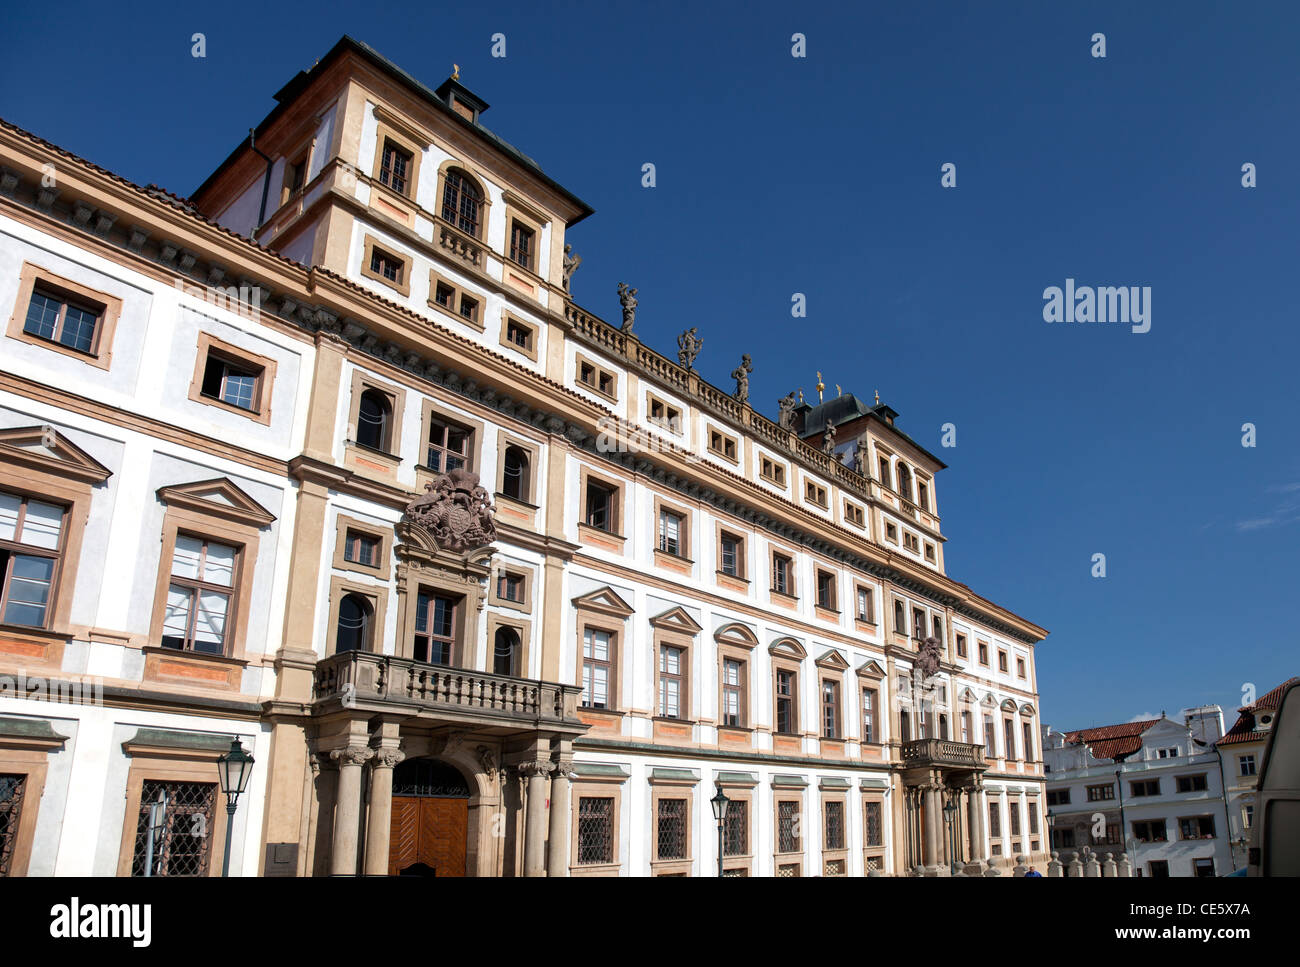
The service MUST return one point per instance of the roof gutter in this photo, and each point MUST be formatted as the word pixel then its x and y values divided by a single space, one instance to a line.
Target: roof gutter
pixel 266 185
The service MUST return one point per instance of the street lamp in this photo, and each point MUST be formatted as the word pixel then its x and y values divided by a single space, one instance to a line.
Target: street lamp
pixel 950 811
pixel 233 770
pixel 720 802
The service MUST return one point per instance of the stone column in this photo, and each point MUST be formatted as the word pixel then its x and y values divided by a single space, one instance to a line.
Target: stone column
pixel 535 772
pixel 557 844
pixel 933 824
pixel 347 808
pixel 975 808
pixel 379 818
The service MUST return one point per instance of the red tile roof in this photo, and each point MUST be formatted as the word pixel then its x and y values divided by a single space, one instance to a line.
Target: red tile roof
pixel 1112 741
pixel 1243 730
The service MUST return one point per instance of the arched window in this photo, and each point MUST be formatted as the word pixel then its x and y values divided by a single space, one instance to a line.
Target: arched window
pixel 355 621
pixel 505 652
pixel 905 725
pixel 904 480
pixel 943 726
pixel 374 419
pixel 462 202
pixel 514 482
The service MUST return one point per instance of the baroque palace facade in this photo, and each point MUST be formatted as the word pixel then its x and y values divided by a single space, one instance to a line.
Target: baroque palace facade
pixel 325 458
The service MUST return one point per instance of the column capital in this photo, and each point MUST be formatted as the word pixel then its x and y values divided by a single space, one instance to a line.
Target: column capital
pixel 563 768
pixel 535 768
pixel 354 755
pixel 387 758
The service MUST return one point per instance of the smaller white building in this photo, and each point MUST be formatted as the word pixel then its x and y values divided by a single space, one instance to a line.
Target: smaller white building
pixel 1152 788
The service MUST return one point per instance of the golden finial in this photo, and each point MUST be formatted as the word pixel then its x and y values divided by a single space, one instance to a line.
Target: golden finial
pixel 455 72
pixel 877 397
pixel 801 397
pixel 820 386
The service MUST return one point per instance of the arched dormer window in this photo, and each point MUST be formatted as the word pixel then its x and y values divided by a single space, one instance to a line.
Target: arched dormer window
pixel 374 421
pixel 462 202
pixel 514 480
pixel 354 624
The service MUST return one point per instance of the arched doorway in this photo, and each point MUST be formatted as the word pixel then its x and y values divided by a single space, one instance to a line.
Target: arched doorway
pixel 430 820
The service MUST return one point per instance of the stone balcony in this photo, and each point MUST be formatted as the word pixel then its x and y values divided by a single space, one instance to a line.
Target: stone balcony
pixel 942 753
pixel 367 681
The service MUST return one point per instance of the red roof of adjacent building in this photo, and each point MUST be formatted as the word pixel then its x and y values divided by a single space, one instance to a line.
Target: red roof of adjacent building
pixel 1243 730
pixel 1112 741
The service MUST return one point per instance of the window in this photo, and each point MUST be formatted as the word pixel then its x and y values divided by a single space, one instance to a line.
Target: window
pixel 1009 734
pixel 231 381
pixel 1027 741
pixel 918 623
pixel 597 660
pixel 182 847
pixel 866 610
pixel 830 710
pixel 905 725
pixel 361 548
pixel 870 729
pixel 1020 667
pixel 469 308
pixel 462 201
pixel 904 481
pixel 900 621
pixel 787 826
pixel 395 168
pixel 983 652
pixel 661 414
pixel 199 595
pixel 355 624
pixel 595 378
pixel 735 829
pixel 733 692
pixel 435 628
pixel 891 533
pixel 1149 831
pixel 374 420
pixel 834 814
pixel 456 300
pixel 730 551
pixel 64 319
pixel 965 727
pixel 782 576
pixel 1058 797
pixel 31 533
pixel 995 820
pixel 670 532
pixel 1013 813
pixel 522 244
pixel 922 494
pixel 1196 827
pixel 505 652
pixel 601 505
pixel 510 586
pixel 445 296
pixel 815 493
pixel 874 823
pixel 595 829
pixel 1192 783
pixel 1101 793
pixel 1246 765
pixel 825 590
pixel 1203 866
pixel 295 176
pixel 1158 869
pixel 961 646
pixel 786 705
pixel 448 446
pixel 1146 787
pixel 388 266
pixel 853 514
pixel 519 335
pixel 772 471
pixel 1247 817
pixel 936 627
pixel 929 551
pixel 911 542
pixel 514 474
pixel 1171 753
pixel 886 477
pixel 1002 660
pixel 722 444
pixel 671 829
pixel 671 677
pixel 990 740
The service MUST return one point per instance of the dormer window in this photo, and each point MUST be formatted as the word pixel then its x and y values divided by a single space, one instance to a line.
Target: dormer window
pixel 462 202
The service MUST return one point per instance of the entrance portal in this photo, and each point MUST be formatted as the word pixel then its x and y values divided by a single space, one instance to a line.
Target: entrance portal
pixel 430 820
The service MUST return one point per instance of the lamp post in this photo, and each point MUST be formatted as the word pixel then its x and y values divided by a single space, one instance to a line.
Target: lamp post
pixel 720 802
pixel 950 814
pixel 233 771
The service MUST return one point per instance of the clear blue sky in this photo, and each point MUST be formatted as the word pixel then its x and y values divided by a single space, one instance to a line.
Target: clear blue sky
pixel 822 175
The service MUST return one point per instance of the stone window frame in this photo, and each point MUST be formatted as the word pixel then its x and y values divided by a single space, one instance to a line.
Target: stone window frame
pixel 403 284
pixel 791 592
pixel 742 792
pixel 387 129
pixel 911 542
pixel 459 294
pixel 674 636
pixel 615 535
pixel 603 610
pixel 834 677
pixel 161 764
pixel 672 789
pixel 871 677
pixel 505 440
pixel 362 381
pixel 740 580
pixel 788 655
pixel 1003 661
pixel 962 646
pixel 736 642
pixel 839 854
pixel 485 209
pixel 28 755
pixel 786 794
pixel 517 211
pixel 30 276
pixel 431 407
pixel 67 475
pixel 685 530
pixel 581 359
pixel 869 850
pixel 523 627
pixel 869 622
pixel 1020 666
pixel 384 533
pixel 831 611
pixel 534 334
pixel 306 145
pixel 208 345
pixel 668 425
pixel 725 438
pixel 377 595
pixel 584 787
pixel 780 472
pixel 815 493
pixel 440 582
pixel 930 554
pixel 854 514
pixel 982 652
pixel 922 480
pixel 891 532
pixel 527 572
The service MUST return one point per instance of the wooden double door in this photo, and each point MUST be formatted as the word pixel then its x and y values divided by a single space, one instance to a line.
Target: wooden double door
pixel 428 836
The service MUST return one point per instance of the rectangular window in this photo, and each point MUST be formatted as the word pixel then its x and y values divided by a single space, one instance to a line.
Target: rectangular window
pixel 31 540
pixel 600 506
pixel 232 382
pixel 59 318
pixel 469 308
pixel 886 477
pixel 830 710
pixel 772 471
pixel 733 692
pixel 1146 787
pixel 1101 793
pixel 900 619
pixel 786 723
pixel 1009 734
pixel 826 590
pixel 1027 741
pixel 389 266
pixel 1058 797
pixel 671 675
pixel 522 245
pixel 866 610
pixel 510 586
pixel 1195 783
pixel 1203 866
pixel 661 414
pixel 869 727
pixel 918 623
pixel 361 548
pixel 911 542
pixel 671 829
pixel 595 829
pixel 181 843
pixel 1196 827
pixel 1002 661
pixel 395 168
pixel 597 660
pixel 995 820
pixel 593 377
pixel 853 514
pixel 961 646
pixel 929 552
pixel 874 820
pixel 781 574
pixel 1246 765
pixel 729 551
pixel 722 444
pixel 518 334
pixel 787 826
pixel 435 628
pixel 891 533
pixel 1158 869
pixel 983 652
pixel 923 494
pixel 834 824
pixel 990 740
pixel 815 493
pixel 1149 831
pixel 1020 667
pixel 670 532
pixel 448 446
pixel 199 595
pixel 735 829
pixel 445 296
pixel 1013 812
pixel 965 727
pixel 936 628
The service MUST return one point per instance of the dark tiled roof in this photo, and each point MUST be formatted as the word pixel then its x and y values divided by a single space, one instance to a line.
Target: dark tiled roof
pixel 1243 730
pixel 1112 741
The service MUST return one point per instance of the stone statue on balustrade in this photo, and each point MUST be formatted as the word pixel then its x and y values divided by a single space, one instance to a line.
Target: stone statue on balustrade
pixel 627 296
pixel 741 375
pixel 689 345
